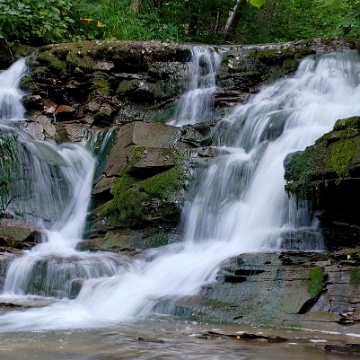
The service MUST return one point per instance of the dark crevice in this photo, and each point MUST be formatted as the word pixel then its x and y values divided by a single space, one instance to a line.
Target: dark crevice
pixel 232 279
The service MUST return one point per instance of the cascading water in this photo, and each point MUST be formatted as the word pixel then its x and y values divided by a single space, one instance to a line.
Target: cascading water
pixel 240 204
pixel 195 105
pixel 49 189
pixel 10 94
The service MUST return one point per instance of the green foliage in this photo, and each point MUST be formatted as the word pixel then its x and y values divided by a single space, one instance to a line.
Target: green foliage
pixel 257 3
pixel 287 20
pixel 316 277
pixel 109 19
pixel 173 20
pixel 48 21
pixel 35 21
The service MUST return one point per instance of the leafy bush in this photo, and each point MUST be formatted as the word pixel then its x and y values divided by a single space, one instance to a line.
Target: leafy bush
pixel 40 22
pixel 35 21
pixel 109 20
pixel 287 20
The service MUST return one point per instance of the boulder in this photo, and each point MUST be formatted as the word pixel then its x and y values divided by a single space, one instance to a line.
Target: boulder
pixel 18 236
pixel 328 174
pixel 137 136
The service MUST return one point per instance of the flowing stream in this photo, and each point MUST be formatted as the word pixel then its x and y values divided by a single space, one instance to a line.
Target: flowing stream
pixel 239 206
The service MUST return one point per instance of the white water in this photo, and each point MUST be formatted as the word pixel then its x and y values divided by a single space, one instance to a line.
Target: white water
pixel 196 104
pixel 51 194
pixel 240 204
pixel 10 94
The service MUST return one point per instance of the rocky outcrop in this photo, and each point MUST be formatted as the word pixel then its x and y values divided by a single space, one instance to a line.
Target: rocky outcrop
pixel 97 84
pixel 17 236
pixel 140 193
pixel 328 174
pixel 298 290
pixel 246 69
pixel 115 96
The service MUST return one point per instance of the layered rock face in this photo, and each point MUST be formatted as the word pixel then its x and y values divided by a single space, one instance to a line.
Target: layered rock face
pixel 294 290
pixel 116 96
pixel 327 174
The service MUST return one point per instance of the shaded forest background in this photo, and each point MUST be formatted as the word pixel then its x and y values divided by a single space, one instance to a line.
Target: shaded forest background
pixel 39 22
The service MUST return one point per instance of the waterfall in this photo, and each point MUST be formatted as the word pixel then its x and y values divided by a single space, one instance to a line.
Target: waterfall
pixel 49 190
pixel 196 104
pixel 241 197
pixel 10 94
pixel 239 204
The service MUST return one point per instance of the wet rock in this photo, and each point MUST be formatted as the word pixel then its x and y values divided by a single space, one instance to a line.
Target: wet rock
pixel 327 173
pixel 19 236
pixel 306 290
pixel 78 73
pixel 70 132
pixel 157 341
pixel 130 240
pixel 49 130
pixel 191 136
pixel 148 160
pixel 348 349
pixel 10 54
pixel 245 69
pixel 243 336
pixel 35 130
pixel 64 112
pixel 141 135
pixel 49 106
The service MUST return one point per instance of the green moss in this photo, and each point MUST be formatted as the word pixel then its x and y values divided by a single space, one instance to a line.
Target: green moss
pixel 162 90
pixel 281 62
pixel 40 70
pixel 126 203
pixel 316 277
pixel 130 204
pixel 265 65
pixel 24 83
pixel 136 154
pixel 125 86
pixel 85 63
pixel 52 63
pixel 354 276
pixel 163 185
pixel 333 157
pixel 101 83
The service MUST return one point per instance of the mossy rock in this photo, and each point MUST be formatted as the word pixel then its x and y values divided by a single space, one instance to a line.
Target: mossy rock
pixel 261 66
pixel 334 158
pixel 137 202
pixel 127 240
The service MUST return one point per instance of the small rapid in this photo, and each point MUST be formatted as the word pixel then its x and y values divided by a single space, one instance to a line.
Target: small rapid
pixel 196 104
pixel 238 206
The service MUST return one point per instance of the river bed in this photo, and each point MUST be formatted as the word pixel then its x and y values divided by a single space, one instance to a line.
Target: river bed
pixel 168 338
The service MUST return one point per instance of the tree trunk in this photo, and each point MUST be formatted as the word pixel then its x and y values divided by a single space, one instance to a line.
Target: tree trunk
pixel 233 19
pixel 135 6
